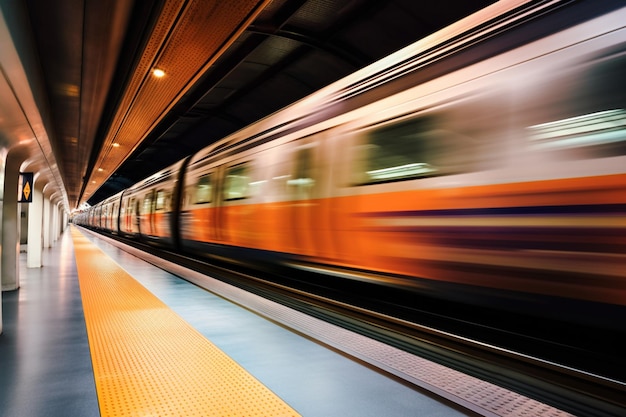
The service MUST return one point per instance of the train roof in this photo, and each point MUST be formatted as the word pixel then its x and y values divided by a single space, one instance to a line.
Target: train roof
pixel 318 106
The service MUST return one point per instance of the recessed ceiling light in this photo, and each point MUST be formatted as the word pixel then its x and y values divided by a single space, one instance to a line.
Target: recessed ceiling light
pixel 158 72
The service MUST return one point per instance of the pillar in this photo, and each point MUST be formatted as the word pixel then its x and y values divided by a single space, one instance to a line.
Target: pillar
pixel 35 226
pixel 55 222
pixel 3 155
pixel 9 261
pixel 47 221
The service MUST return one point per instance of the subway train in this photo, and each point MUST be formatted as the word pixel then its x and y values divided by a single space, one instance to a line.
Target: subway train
pixel 484 162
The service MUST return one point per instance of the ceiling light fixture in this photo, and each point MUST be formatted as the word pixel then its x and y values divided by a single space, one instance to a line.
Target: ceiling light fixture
pixel 158 72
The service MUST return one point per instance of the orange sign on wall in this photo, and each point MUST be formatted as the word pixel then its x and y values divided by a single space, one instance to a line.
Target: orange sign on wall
pixel 26 192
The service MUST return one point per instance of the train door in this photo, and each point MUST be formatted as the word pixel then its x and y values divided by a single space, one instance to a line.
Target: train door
pixel 98 217
pixel 210 184
pixel 162 213
pixel 197 223
pixel 135 220
pixel 105 217
pixel 129 218
pixel 115 216
pixel 308 211
pixel 146 214
pixel 234 215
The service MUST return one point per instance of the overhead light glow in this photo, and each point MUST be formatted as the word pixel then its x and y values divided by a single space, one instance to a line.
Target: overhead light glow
pixel 588 129
pixel 158 72
pixel 401 171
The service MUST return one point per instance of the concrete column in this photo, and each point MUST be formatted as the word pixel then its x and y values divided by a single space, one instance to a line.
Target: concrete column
pixel 47 221
pixel 3 154
pixel 35 223
pixel 9 268
pixel 55 223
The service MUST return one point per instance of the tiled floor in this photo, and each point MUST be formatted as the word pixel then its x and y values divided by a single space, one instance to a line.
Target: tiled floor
pixel 45 366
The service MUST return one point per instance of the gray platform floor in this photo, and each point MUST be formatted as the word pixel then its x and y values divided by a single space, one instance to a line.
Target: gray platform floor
pixel 45 367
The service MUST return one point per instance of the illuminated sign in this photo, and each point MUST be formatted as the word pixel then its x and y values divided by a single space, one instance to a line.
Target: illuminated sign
pixel 26 193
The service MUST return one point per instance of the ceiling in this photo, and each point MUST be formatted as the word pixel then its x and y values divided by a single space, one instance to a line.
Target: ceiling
pixel 111 122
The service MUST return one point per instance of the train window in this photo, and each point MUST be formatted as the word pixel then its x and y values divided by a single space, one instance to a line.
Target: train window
pixel 302 181
pixel 147 204
pixel 603 130
pixel 237 182
pixel 579 114
pixel 401 151
pixel 203 191
pixel 162 200
pixel 462 135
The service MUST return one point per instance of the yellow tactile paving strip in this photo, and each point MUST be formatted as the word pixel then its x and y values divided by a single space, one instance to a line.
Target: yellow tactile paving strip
pixel 150 362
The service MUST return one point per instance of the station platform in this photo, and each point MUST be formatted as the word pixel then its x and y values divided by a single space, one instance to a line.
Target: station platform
pixel 99 332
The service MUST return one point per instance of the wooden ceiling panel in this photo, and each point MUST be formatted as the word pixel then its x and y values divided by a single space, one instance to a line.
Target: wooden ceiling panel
pixel 187 38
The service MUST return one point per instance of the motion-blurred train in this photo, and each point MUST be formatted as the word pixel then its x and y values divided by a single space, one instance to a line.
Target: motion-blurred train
pixel 488 158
